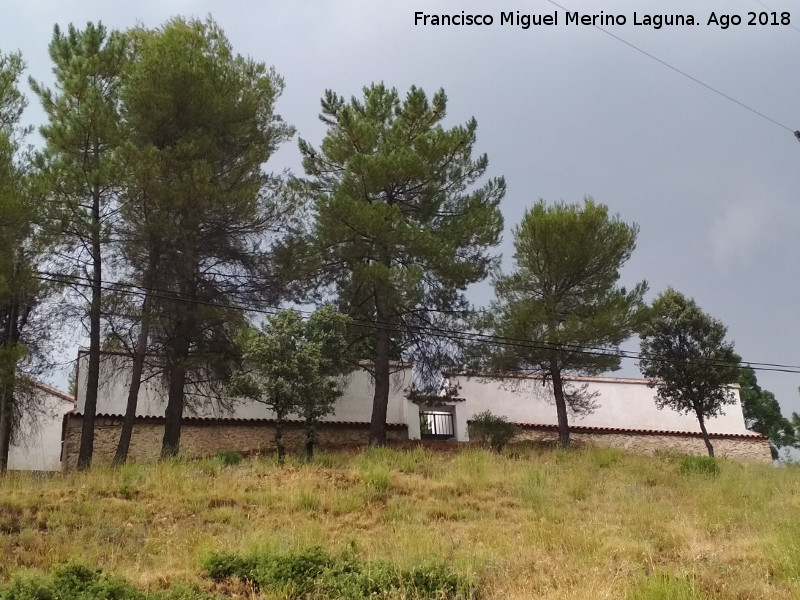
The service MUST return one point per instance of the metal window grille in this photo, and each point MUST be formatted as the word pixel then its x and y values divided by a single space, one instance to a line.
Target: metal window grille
pixel 436 425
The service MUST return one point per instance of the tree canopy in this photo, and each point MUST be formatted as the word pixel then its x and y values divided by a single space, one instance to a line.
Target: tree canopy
pixel 292 366
pixel 200 210
pixel 688 360
pixel 762 413
pixel 401 225
pixel 562 307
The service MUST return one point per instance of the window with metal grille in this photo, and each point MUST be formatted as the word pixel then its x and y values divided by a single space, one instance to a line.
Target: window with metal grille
pixel 435 425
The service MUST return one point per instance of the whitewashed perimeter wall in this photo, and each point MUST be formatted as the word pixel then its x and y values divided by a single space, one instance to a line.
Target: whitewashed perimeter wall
pixel 37 445
pixel 354 406
pixel 621 404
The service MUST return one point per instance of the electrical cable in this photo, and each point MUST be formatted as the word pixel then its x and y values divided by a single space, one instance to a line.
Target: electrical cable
pixel 688 76
pixel 431 331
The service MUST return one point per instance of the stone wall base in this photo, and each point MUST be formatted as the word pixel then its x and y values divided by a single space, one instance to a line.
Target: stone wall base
pixel 200 439
pixel 750 449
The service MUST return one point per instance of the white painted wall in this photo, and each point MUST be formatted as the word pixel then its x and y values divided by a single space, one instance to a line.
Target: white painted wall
pixel 37 444
pixel 355 405
pixel 622 404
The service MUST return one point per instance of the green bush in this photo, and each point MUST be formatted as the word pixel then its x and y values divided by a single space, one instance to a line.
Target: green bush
pixel 78 582
pixel 491 430
pixel 228 458
pixel 699 465
pixel 316 574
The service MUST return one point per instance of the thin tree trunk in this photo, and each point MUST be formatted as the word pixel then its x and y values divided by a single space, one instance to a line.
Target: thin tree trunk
pixel 561 403
pixel 311 434
pixel 176 371
pixel 706 439
pixel 279 438
pixel 93 372
pixel 380 401
pixel 6 429
pixel 7 376
pixel 174 412
pixel 136 381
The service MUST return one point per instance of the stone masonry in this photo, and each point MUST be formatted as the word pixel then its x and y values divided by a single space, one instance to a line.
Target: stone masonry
pixel 754 448
pixel 206 437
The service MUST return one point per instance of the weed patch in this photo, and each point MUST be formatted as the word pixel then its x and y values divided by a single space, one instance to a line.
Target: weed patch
pixel 699 465
pixel 318 575
pixel 77 582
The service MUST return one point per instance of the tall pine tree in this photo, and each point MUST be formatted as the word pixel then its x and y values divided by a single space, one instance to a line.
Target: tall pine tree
pixel 401 224
pixel 81 137
pixel 201 123
pixel 562 302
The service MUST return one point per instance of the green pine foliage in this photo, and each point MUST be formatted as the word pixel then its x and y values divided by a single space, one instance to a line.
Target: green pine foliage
pixel 200 211
pixel 563 297
pixel 82 135
pixel 401 225
pixel 762 413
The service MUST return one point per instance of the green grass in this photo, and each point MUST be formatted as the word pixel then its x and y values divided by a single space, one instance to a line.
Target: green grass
pixel 592 523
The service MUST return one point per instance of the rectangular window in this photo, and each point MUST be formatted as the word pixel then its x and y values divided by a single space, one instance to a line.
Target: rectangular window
pixel 436 425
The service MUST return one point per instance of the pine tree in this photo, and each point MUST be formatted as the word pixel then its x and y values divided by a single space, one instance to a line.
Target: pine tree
pixel 201 123
pixel 81 137
pixel 401 225
pixel 563 302
pixel 22 247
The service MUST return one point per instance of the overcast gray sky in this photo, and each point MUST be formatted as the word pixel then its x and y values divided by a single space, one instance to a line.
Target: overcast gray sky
pixel 563 112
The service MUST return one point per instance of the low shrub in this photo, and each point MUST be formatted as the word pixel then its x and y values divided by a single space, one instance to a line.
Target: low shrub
pixel 316 575
pixel 491 430
pixel 78 582
pixel 699 465
pixel 228 458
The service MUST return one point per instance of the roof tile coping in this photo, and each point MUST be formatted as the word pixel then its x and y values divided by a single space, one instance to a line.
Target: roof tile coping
pixel 580 428
pixel 76 413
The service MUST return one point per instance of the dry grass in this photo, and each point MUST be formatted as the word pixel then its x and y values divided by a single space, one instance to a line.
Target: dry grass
pixel 592 523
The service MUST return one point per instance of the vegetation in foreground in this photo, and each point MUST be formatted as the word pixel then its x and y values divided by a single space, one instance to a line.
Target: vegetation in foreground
pixel 534 523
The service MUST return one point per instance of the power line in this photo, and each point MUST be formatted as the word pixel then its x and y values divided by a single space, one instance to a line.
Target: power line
pixel 429 330
pixel 688 76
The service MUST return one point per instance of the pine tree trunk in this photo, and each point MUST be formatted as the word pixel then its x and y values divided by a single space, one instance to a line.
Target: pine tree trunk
pixel 176 372
pixel 174 412
pixel 93 372
pixel 561 403
pixel 7 377
pixel 6 429
pixel 136 381
pixel 706 439
pixel 380 401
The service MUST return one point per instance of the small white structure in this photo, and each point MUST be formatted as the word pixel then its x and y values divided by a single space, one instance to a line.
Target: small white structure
pixel 37 442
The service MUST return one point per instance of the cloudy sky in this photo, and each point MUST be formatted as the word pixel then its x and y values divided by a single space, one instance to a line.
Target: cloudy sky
pixel 563 112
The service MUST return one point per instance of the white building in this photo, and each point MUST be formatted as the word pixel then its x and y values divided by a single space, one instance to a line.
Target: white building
pixel 37 442
pixel 625 416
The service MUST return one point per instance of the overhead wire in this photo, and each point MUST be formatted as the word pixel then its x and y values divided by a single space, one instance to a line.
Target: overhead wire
pixel 688 76
pixel 429 330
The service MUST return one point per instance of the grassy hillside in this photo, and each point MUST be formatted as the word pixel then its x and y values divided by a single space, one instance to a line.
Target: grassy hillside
pixel 538 524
